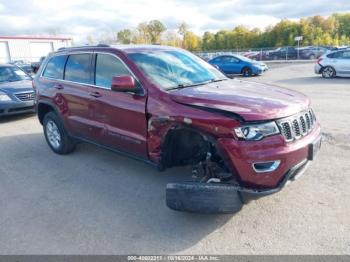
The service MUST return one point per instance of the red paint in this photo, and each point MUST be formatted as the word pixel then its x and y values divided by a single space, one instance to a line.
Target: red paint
pixel 138 123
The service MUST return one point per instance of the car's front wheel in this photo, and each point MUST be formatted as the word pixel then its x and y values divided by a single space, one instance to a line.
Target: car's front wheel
pixel 246 71
pixel 328 72
pixel 56 135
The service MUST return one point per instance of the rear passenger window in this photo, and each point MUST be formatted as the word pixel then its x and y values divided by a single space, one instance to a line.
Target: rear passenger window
pixel 55 67
pixel 108 66
pixel 78 68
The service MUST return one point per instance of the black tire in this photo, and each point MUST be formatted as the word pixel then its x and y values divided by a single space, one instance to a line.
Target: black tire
pixel 246 71
pixel 209 198
pixel 66 144
pixel 328 72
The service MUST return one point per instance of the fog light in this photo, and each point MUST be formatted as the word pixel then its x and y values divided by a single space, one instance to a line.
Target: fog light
pixel 261 167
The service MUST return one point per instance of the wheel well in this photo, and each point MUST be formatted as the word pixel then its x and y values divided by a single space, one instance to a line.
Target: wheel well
pixel 186 146
pixel 183 147
pixel 43 109
pixel 244 68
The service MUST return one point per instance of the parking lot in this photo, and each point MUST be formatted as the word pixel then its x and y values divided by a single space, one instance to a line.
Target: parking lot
pixel 98 202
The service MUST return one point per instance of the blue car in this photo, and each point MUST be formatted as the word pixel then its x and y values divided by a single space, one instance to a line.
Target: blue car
pixel 236 64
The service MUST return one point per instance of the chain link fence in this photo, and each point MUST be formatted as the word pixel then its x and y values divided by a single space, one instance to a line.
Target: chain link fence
pixel 273 53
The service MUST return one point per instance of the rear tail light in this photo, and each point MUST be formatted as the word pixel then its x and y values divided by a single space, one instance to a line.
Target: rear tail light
pixel 319 60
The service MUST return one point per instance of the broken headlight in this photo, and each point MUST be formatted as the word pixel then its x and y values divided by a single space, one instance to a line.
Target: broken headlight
pixel 257 131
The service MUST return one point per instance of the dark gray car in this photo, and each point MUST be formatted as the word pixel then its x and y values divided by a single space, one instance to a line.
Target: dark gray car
pixel 16 91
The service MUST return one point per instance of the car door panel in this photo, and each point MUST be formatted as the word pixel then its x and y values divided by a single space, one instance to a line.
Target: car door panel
pixel 124 120
pixel 75 90
pixel 122 114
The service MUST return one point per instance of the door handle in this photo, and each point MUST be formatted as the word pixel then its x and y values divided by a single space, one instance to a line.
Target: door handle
pixel 95 94
pixel 58 86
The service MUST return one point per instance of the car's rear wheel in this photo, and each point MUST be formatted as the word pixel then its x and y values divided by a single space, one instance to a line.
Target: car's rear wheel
pixel 328 72
pixel 312 57
pixel 56 135
pixel 246 71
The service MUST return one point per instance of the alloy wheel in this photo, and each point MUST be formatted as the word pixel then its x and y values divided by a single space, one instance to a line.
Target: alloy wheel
pixel 53 134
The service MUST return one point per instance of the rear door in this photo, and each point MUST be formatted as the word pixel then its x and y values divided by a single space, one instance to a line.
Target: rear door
pixel 122 114
pixel 75 92
pixel 343 63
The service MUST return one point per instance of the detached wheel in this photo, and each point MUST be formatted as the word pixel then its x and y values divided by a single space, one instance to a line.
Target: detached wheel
pixel 328 72
pixel 56 135
pixel 246 71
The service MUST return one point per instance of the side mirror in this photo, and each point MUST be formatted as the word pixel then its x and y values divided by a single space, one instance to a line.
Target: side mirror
pixel 123 83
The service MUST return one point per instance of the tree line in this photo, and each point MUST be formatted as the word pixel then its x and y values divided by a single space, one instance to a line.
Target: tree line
pixel 316 30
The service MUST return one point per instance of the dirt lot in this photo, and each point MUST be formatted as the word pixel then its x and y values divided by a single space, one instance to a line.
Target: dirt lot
pixel 97 202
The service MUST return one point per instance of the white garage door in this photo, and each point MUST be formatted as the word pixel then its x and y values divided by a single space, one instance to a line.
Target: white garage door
pixel 39 49
pixel 4 52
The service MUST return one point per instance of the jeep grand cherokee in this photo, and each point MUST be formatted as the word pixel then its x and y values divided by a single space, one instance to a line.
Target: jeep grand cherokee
pixel 165 106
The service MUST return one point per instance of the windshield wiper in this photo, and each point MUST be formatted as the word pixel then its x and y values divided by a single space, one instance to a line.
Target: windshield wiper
pixel 180 86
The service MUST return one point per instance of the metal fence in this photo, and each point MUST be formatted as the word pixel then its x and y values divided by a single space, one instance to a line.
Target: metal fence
pixel 273 53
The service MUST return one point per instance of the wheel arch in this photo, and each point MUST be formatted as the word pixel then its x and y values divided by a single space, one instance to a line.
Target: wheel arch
pixel 43 108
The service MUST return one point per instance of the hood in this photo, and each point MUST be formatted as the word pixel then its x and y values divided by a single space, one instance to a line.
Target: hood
pixel 252 101
pixel 17 86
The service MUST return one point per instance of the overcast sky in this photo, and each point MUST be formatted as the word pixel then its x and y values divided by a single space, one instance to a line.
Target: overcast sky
pixel 79 18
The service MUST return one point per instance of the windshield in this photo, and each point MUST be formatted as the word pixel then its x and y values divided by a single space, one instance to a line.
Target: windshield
pixel 243 58
pixel 12 74
pixel 175 69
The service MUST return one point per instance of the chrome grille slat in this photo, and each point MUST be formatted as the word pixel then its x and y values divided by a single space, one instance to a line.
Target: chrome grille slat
pixel 28 96
pixel 297 126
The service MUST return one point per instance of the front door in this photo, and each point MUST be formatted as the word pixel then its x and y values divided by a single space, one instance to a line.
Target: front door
pixel 122 114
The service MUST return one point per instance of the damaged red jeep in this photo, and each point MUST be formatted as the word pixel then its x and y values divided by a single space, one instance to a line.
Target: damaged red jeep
pixel 167 107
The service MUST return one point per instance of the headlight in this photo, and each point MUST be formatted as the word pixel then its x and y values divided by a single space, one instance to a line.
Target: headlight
pixel 257 132
pixel 4 97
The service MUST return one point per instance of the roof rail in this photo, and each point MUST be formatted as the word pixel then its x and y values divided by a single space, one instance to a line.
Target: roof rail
pixel 82 46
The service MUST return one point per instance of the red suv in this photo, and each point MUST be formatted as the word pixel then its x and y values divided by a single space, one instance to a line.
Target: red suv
pixel 165 106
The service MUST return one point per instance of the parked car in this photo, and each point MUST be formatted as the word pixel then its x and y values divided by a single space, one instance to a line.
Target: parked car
pixel 24 65
pixel 35 65
pixel 334 63
pixel 283 53
pixel 236 64
pixel 260 56
pixel 311 52
pixel 167 107
pixel 16 91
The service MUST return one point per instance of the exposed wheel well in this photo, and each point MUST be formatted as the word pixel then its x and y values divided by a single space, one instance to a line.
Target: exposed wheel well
pixel 186 146
pixel 43 109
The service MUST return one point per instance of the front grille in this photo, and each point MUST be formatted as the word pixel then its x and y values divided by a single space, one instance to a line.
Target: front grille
pixel 29 96
pixel 296 126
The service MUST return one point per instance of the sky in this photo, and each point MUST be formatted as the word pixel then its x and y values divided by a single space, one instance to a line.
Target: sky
pixel 80 18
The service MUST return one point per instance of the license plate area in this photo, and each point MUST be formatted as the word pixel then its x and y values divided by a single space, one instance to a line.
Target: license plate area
pixel 314 147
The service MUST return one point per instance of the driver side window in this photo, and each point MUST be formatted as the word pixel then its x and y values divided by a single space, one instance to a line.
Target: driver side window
pixel 107 67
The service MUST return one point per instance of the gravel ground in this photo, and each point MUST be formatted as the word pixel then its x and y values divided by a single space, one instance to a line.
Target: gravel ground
pixel 97 202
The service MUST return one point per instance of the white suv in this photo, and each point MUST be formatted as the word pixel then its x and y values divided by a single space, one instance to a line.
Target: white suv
pixel 335 63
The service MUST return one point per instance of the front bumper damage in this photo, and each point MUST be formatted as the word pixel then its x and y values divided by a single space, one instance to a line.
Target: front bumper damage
pixel 227 197
pixel 220 197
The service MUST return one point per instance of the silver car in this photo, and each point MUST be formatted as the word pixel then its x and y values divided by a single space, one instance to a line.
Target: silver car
pixel 335 63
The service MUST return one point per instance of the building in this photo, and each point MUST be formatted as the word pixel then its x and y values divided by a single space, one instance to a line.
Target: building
pixel 29 48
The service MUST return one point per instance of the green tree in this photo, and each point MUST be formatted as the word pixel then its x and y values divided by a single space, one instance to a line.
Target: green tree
pixel 154 29
pixel 124 36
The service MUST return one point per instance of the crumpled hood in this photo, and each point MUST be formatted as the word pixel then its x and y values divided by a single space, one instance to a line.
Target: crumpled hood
pixel 16 87
pixel 252 101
